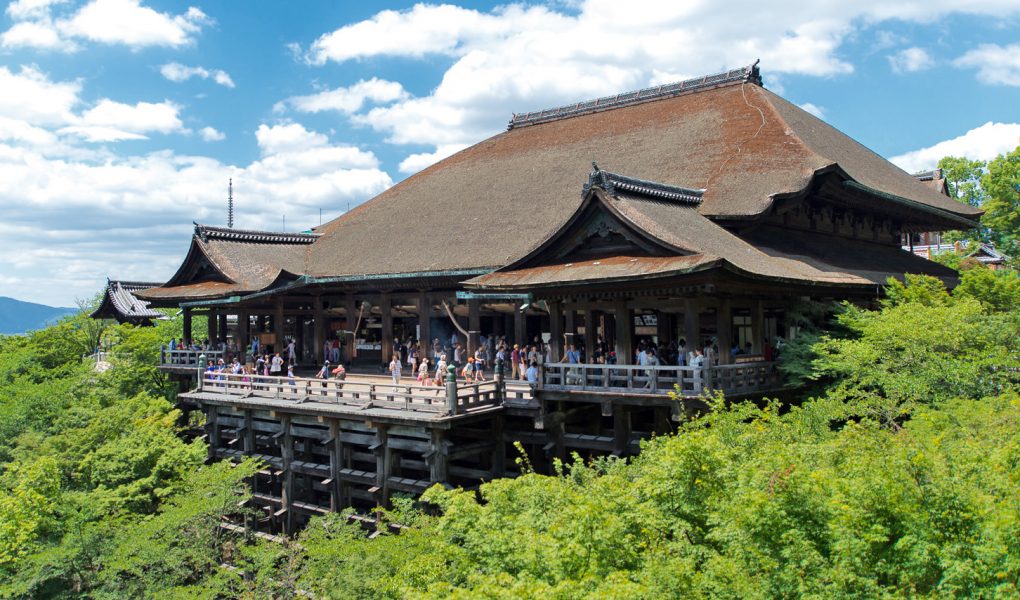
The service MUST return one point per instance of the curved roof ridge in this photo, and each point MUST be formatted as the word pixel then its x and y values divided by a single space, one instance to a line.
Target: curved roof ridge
pixel 207 232
pixel 748 74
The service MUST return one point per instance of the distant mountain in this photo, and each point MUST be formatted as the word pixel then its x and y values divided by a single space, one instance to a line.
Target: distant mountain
pixel 17 316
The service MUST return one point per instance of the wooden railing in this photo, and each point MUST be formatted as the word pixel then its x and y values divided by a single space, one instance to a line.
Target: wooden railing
pixel 186 358
pixel 450 399
pixel 730 379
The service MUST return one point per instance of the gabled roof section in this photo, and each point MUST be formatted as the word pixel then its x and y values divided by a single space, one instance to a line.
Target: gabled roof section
pixel 612 182
pixel 670 239
pixel 120 303
pixel 222 262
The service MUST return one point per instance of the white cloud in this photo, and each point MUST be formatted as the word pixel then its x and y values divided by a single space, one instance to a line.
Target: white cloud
pixel 910 60
pixel 147 203
pixel 31 96
pixel 35 34
pixel 417 162
pixel 110 121
pixel 813 109
pixel 997 65
pixel 125 22
pixel 31 9
pixel 347 100
pixel 981 143
pixel 177 73
pixel 526 57
pixel 211 134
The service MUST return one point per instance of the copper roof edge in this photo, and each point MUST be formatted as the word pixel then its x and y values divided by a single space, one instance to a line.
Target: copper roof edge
pixel 207 232
pixel 748 74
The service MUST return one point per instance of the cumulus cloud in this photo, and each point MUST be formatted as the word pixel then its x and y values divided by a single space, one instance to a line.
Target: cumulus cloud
pixel 417 162
pixel 529 57
pixel 120 22
pixel 910 60
pixel 211 134
pixel 981 143
pixel 346 99
pixel 996 65
pixel 177 73
pixel 147 203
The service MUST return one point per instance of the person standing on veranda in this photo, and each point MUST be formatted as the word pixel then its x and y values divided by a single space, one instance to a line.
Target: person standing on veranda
pixel 395 370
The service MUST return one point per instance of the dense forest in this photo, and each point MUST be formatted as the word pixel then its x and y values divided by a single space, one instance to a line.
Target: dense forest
pixel 896 475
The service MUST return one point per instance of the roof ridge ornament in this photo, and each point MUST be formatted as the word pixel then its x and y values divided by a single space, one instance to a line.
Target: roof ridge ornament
pixel 615 185
pixel 208 232
pixel 749 74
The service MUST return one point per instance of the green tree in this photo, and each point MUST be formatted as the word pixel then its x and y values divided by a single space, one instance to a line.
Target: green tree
pixel 1002 208
pixel 963 177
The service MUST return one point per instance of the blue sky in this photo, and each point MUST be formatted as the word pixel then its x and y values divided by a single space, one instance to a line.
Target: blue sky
pixel 121 120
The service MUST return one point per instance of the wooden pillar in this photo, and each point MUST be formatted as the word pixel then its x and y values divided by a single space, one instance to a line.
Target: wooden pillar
pixel 212 431
pixel 387 327
pixel 210 328
pixel 187 325
pixel 692 326
pixel 621 430
pixel 287 492
pixel 438 461
pixel 319 316
pixel 260 323
pixel 624 333
pixel 280 345
pixel 569 326
pixel 243 341
pixel 336 456
pixel 351 304
pixel 383 463
pixel 249 432
pixel 556 331
pixel 474 325
pixel 499 452
pixel 221 334
pixel 758 326
pixel 519 325
pixel 724 327
pixel 589 333
pixel 663 326
pixel 425 324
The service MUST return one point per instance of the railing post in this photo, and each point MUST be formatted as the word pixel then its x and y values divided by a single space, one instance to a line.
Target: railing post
pixel 201 371
pixel 500 383
pixel 451 390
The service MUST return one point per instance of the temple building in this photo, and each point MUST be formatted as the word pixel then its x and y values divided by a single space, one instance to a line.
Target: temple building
pixel 120 304
pixel 702 212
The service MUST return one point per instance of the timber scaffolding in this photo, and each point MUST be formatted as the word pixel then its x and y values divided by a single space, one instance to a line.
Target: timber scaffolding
pixel 331 444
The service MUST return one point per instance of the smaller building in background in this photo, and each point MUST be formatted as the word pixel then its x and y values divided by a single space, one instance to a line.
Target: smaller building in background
pixel 120 304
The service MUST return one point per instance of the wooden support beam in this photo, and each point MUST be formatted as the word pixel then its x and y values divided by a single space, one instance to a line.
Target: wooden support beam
pixel 520 327
pixel 499 452
pixel 724 329
pixel 243 340
pixel 387 327
pixel 319 317
pixel 383 464
pixel 589 332
pixel 424 304
pixel 212 430
pixel 337 486
pixel 621 430
pixel 556 331
pixel 221 332
pixel 249 432
pixel 210 328
pixel 187 324
pixel 474 325
pixel 280 345
pixel 758 326
pixel 692 327
pixel 287 493
pixel 624 333
pixel 437 457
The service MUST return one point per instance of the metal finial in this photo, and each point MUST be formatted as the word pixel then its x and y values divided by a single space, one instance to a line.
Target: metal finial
pixel 230 203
